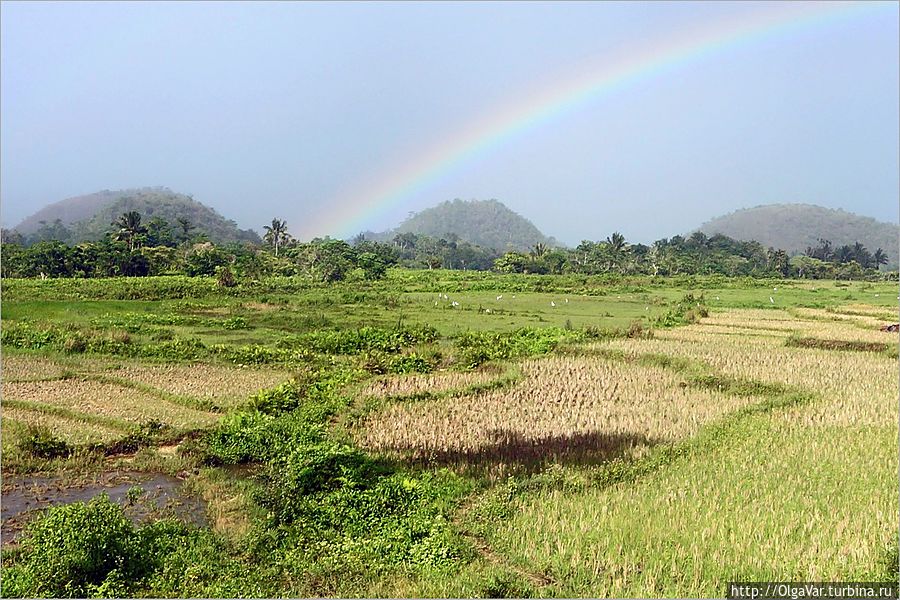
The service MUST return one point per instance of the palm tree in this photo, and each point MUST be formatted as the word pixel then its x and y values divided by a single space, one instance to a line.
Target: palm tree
pixel 844 254
pixel 276 234
pixel 539 250
pixel 130 227
pixel 616 242
pixel 861 254
pixel 617 248
pixel 879 258
pixel 825 250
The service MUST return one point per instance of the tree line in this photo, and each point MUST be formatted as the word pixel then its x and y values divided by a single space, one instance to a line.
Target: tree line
pixel 135 248
pixel 697 254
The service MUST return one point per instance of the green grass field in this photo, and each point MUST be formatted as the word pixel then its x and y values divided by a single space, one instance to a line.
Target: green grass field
pixel 467 434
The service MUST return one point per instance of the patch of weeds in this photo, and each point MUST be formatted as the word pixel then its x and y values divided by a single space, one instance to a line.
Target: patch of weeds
pixel 504 585
pixel 689 309
pixel 795 341
pixel 39 442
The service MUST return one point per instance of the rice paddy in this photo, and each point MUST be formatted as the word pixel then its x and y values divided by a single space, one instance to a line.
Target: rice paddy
pixel 567 408
pixel 105 400
pixel 435 383
pixel 802 493
pixel 224 386
pixel 88 400
pixel 655 465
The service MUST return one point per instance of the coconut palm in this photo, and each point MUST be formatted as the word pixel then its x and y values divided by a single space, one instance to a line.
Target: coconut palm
pixel 130 227
pixel 276 234
pixel 616 242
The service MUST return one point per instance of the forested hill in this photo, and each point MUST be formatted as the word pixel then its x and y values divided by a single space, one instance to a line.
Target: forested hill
pixel 486 223
pixel 796 227
pixel 86 218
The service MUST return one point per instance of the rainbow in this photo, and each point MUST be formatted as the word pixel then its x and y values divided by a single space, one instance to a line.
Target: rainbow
pixel 352 208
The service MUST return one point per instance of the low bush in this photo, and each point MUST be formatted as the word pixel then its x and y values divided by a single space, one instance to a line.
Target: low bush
pixel 689 309
pixel 40 442
pixel 477 347
pixel 356 341
pixel 76 551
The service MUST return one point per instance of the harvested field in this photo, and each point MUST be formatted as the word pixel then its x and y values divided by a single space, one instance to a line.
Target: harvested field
pixel 565 408
pixel 226 386
pixel 879 312
pixel 697 334
pixel 432 383
pixel 844 345
pixel 31 368
pixel 859 388
pixel 778 486
pixel 865 321
pixel 106 400
pixel 73 431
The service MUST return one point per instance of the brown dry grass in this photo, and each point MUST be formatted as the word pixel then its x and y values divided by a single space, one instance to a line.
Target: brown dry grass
pixel 859 388
pixel 433 383
pixel 14 420
pixel 880 312
pixel 226 386
pixel 106 399
pixel 30 368
pixel 577 408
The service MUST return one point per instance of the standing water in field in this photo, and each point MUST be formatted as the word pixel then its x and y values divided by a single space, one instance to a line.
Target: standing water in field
pixel 144 496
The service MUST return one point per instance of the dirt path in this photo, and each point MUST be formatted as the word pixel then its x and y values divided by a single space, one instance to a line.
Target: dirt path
pixel 484 549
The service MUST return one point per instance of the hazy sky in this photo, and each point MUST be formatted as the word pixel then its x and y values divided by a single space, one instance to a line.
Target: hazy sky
pixel 321 114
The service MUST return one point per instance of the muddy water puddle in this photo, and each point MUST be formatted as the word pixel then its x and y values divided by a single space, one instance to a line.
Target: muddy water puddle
pixel 144 496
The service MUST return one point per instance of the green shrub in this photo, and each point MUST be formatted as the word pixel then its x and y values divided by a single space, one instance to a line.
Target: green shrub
pixel 224 277
pixel 356 341
pixel 39 442
pixel 234 323
pixel 253 436
pixel 689 309
pixel 284 398
pixel 258 354
pixel 306 470
pixel 26 335
pixel 477 347
pixel 375 363
pixel 177 349
pixel 410 363
pixel 78 550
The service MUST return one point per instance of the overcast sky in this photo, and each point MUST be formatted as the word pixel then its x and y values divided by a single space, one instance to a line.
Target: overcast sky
pixel 292 110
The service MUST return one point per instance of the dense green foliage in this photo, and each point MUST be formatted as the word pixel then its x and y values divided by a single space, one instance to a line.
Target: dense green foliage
pixel 695 255
pixel 168 216
pixel 123 254
pixel 483 223
pixel 134 247
pixel 796 227
pixel 92 549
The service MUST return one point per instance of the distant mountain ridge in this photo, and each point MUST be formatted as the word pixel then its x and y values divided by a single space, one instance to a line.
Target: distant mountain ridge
pixel 486 223
pixel 88 217
pixel 795 227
